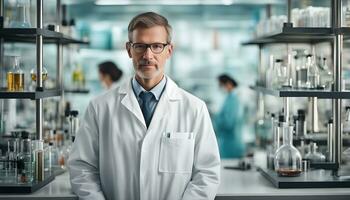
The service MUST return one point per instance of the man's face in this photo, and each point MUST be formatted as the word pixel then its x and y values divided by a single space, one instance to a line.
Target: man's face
pixel 147 64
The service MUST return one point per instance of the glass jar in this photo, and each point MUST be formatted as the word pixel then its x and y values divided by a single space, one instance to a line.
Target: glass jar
pixel 287 157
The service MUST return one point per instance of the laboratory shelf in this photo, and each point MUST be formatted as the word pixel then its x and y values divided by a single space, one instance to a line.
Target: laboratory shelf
pixel 290 34
pixel 77 91
pixel 28 35
pixel 310 179
pixel 25 188
pixel 30 95
pixel 323 94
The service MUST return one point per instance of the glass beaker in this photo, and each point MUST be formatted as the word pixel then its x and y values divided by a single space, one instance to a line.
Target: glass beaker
pixel 288 158
pixel 21 12
pixel 44 76
pixel 15 75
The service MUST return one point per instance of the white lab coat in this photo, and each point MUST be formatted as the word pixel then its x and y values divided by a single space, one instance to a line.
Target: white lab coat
pixel 116 157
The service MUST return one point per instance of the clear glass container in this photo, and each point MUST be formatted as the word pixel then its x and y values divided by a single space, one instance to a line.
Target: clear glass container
pixel 301 72
pixel 15 75
pixel 21 15
pixel 25 170
pixel 315 156
pixel 44 76
pixel 288 158
pixel 283 79
pixel 326 78
pixel 313 73
pixel 269 73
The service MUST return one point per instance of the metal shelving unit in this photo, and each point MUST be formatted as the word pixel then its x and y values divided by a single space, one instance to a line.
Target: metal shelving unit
pixel 39 36
pixel 30 95
pixel 289 35
pixel 29 36
pixel 322 94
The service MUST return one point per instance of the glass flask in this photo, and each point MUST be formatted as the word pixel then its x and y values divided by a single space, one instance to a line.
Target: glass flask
pixel 287 157
pixel 15 75
pixel 313 155
pixel 326 75
pixel 44 77
pixel 21 15
pixel 313 73
pixel 78 77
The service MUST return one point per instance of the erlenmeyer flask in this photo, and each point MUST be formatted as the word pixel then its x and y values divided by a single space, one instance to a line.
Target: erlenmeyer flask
pixel 15 75
pixel 21 17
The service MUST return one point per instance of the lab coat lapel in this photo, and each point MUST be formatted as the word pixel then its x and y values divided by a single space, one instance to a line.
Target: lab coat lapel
pixel 164 106
pixel 130 101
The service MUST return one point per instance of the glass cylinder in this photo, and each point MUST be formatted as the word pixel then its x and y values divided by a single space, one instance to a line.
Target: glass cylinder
pixel 301 72
pixel 25 170
pixel 21 15
pixel 313 73
pixel 288 158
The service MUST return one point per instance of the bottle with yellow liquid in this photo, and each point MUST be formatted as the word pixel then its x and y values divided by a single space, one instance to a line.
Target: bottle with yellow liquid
pixel 44 77
pixel 78 77
pixel 15 76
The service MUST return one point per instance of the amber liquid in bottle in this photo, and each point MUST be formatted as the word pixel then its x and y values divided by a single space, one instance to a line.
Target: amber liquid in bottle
pixel 44 77
pixel 288 172
pixel 10 85
pixel 18 81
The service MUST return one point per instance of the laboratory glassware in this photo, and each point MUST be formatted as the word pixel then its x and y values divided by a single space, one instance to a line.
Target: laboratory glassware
pixel 21 15
pixel 313 155
pixel 15 75
pixel 287 158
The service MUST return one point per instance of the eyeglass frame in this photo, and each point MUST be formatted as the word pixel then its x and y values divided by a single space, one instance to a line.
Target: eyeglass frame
pixel 148 46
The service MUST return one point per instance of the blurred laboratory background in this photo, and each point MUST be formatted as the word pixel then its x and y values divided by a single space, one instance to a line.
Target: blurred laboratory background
pixel 266 69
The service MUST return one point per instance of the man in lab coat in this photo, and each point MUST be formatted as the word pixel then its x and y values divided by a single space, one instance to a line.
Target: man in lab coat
pixel 147 139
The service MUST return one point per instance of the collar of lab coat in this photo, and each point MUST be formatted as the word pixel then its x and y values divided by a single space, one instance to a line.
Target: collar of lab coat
pixel 171 93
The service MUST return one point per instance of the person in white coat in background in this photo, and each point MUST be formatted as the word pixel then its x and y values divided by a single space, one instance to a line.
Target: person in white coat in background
pixel 147 139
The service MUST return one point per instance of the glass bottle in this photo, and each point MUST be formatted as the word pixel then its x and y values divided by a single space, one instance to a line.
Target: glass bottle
pixel 78 77
pixel 276 74
pixel 21 19
pixel 313 73
pixel 326 75
pixel 301 72
pixel 25 171
pixel 269 73
pixel 282 73
pixel 15 75
pixel 313 155
pixel 44 77
pixel 346 126
pixel 276 140
pixel 287 158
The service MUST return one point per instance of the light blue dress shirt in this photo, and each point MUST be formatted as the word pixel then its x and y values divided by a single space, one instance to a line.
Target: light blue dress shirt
pixel 156 91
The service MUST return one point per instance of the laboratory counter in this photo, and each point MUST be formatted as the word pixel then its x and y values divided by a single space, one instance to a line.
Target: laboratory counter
pixel 235 185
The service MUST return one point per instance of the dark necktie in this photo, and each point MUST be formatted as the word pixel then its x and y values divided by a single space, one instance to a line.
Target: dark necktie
pixel 146 98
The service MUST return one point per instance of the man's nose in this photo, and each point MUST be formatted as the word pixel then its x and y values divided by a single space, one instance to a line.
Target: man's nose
pixel 148 53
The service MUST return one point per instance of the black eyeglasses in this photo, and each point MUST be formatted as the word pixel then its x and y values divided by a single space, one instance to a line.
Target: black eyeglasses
pixel 155 47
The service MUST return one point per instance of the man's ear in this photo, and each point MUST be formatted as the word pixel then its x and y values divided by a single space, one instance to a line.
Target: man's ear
pixel 170 50
pixel 128 48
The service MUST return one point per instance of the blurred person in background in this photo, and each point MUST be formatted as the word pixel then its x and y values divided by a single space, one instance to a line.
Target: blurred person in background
pixel 109 74
pixel 228 122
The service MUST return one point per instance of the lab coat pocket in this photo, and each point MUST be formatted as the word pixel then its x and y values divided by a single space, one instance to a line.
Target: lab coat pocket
pixel 176 153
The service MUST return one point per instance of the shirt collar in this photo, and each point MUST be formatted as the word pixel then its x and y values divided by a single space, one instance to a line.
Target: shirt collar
pixel 156 90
